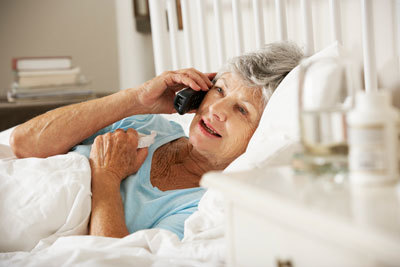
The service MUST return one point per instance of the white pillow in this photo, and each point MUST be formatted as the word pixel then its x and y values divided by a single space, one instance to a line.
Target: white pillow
pixel 278 128
pixel 42 199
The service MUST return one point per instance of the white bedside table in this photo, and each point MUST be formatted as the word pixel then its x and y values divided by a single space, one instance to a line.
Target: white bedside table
pixel 275 218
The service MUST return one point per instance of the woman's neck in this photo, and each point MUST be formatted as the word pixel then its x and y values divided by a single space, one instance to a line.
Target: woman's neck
pixel 178 165
pixel 197 164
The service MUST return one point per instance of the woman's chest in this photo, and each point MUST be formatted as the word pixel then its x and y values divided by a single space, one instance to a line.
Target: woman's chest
pixel 167 171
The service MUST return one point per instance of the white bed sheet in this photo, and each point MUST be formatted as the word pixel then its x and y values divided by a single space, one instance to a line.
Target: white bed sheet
pixel 67 216
pixel 155 247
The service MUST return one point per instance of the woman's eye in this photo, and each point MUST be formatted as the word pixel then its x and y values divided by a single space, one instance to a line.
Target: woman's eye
pixel 242 110
pixel 219 90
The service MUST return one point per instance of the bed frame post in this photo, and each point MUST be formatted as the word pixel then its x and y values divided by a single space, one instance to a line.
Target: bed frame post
pixel 368 45
pixel 336 27
pixel 186 33
pixel 159 35
pixel 173 36
pixel 308 27
pixel 281 19
pixel 202 35
pixel 397 29
pixel 126 56
pixel 237 27
pixel 219 33
pixel 259 23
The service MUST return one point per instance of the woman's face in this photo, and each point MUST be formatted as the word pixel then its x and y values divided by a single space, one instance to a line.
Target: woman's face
pixel 226 119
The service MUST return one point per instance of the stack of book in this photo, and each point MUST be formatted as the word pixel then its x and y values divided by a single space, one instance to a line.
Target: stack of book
pixel 47 79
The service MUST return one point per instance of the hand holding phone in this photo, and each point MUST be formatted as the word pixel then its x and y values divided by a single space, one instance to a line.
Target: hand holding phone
pixel 188 99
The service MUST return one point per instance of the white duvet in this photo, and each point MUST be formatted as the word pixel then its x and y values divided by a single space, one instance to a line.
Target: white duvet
pixel 44 213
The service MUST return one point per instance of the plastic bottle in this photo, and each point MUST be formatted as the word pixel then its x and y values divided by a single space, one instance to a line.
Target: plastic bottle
pixel 373 139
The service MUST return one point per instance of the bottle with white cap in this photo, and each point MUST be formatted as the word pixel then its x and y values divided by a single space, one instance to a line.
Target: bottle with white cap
pixel 373 139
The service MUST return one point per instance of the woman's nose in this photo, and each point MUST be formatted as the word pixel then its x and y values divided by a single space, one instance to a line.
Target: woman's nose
pixel 219 110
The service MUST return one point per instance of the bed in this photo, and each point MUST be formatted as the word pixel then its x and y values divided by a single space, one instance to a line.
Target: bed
pixel 45 203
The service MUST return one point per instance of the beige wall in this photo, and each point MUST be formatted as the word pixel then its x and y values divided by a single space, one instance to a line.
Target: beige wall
pixel 83 29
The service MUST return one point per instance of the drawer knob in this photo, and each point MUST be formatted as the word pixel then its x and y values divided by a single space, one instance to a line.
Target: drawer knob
pixel 284 263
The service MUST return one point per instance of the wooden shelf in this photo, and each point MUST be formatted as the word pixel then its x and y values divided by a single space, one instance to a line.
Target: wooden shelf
pixel 12 114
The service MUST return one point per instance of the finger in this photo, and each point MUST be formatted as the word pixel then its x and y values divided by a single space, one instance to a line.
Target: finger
pixel 118 136
pixel 97 140
pixel 200 78
pixel 206 77
pixel 175 82
pixel 186 80
pixel 132 131
pixel 119 130
pixel 133 137
pixel 141 156
pixel 211 75
pixel 106 144
pixel 97 148
pixel 91 162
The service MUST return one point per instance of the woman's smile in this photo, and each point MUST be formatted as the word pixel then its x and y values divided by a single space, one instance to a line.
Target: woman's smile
pixel 208 130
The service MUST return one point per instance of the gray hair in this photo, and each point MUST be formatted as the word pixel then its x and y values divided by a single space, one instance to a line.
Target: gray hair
pixel 265 67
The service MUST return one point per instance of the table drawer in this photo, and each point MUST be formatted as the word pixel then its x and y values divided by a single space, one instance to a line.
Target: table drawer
pixel 259 240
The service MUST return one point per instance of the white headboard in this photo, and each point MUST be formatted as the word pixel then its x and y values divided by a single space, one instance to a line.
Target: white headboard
pixel 214 30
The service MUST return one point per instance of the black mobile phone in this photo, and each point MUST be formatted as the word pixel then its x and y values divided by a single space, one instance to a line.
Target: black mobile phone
pixel 188 99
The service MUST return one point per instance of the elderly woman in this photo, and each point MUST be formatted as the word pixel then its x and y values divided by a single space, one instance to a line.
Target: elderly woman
pixel 158 187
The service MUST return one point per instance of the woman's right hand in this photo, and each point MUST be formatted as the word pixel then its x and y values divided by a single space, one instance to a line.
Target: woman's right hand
pixel 116 155
pixel 157 95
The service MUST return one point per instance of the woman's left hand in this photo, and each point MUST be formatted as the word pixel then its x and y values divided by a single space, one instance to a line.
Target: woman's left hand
pixel 117 155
